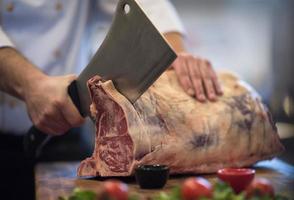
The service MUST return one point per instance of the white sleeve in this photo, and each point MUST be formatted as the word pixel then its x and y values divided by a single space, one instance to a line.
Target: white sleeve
pixel 4 39
pixel 163 15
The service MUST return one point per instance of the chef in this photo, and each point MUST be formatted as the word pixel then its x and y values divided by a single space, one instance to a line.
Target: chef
pixel 44 43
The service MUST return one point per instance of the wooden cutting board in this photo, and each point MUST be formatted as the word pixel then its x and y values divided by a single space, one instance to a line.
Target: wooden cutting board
pixel 59 179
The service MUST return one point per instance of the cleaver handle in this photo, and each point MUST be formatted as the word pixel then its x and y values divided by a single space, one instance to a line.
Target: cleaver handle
pixel 35 139
pixel 73 93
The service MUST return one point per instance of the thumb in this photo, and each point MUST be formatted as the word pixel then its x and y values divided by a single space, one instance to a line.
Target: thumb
pixel 71 77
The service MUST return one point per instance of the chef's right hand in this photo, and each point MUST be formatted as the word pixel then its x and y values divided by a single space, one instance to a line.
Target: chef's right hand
pixel 49 105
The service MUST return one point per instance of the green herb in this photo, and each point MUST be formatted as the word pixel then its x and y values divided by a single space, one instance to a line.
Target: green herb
pixel 162 196
pixel 223 191
pixel 175 194
pixel 79 194
pixel 280 197
pixel 133 197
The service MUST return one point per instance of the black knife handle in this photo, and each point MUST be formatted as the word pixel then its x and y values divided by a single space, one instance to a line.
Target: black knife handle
pixel 73 93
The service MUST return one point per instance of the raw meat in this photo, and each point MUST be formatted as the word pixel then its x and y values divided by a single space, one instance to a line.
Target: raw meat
pixel 166 126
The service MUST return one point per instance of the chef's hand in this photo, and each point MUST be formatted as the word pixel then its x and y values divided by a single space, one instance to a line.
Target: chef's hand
pixel 197 77
pixel 49 106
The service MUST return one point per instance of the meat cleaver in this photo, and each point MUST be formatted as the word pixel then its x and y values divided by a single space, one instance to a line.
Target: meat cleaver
pixel 133 55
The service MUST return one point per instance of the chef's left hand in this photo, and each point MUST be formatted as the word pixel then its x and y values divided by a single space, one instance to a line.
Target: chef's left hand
pixel 197 77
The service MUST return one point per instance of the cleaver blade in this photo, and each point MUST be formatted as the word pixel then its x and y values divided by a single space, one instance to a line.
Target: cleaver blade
pixel 133 55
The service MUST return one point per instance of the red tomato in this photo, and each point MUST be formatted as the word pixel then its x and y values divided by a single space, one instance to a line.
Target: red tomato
pixel 260 187
pixel 194 188
pixel 116 190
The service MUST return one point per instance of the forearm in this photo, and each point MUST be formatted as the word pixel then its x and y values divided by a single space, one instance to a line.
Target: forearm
pixel 16 73
pixel 175 39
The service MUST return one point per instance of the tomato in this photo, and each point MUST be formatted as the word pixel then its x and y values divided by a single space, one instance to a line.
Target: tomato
pixel 260 187
pixel 116 190
pixel 194 188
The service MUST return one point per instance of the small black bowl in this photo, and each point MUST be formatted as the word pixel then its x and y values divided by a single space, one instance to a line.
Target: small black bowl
pixel 152 176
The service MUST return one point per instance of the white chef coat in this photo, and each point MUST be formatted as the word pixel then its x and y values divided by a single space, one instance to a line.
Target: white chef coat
pixel 57 36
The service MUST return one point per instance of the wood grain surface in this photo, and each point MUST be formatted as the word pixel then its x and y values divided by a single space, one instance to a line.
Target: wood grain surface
pixel 59 179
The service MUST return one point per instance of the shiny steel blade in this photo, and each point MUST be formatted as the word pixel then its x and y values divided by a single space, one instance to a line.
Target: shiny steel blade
pixel 133 55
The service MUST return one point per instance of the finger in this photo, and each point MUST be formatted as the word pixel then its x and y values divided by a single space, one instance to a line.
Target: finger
pixel 207 79
pixel 71 77
pixel 183 76
pixel 215 81
pixel 57 120
pixel 196 79
pixel 50 122
pixel 60 126
pixel 50 127
pixel 217 87
pixel 209 88
pixel 63 121
pixel 68 110
pixel 71 114
pixel 47 129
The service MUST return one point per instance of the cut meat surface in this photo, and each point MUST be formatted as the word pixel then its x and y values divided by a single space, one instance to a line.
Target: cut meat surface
pixel 166 126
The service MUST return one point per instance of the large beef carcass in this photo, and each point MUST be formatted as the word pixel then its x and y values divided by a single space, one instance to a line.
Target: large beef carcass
pixel 166 126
